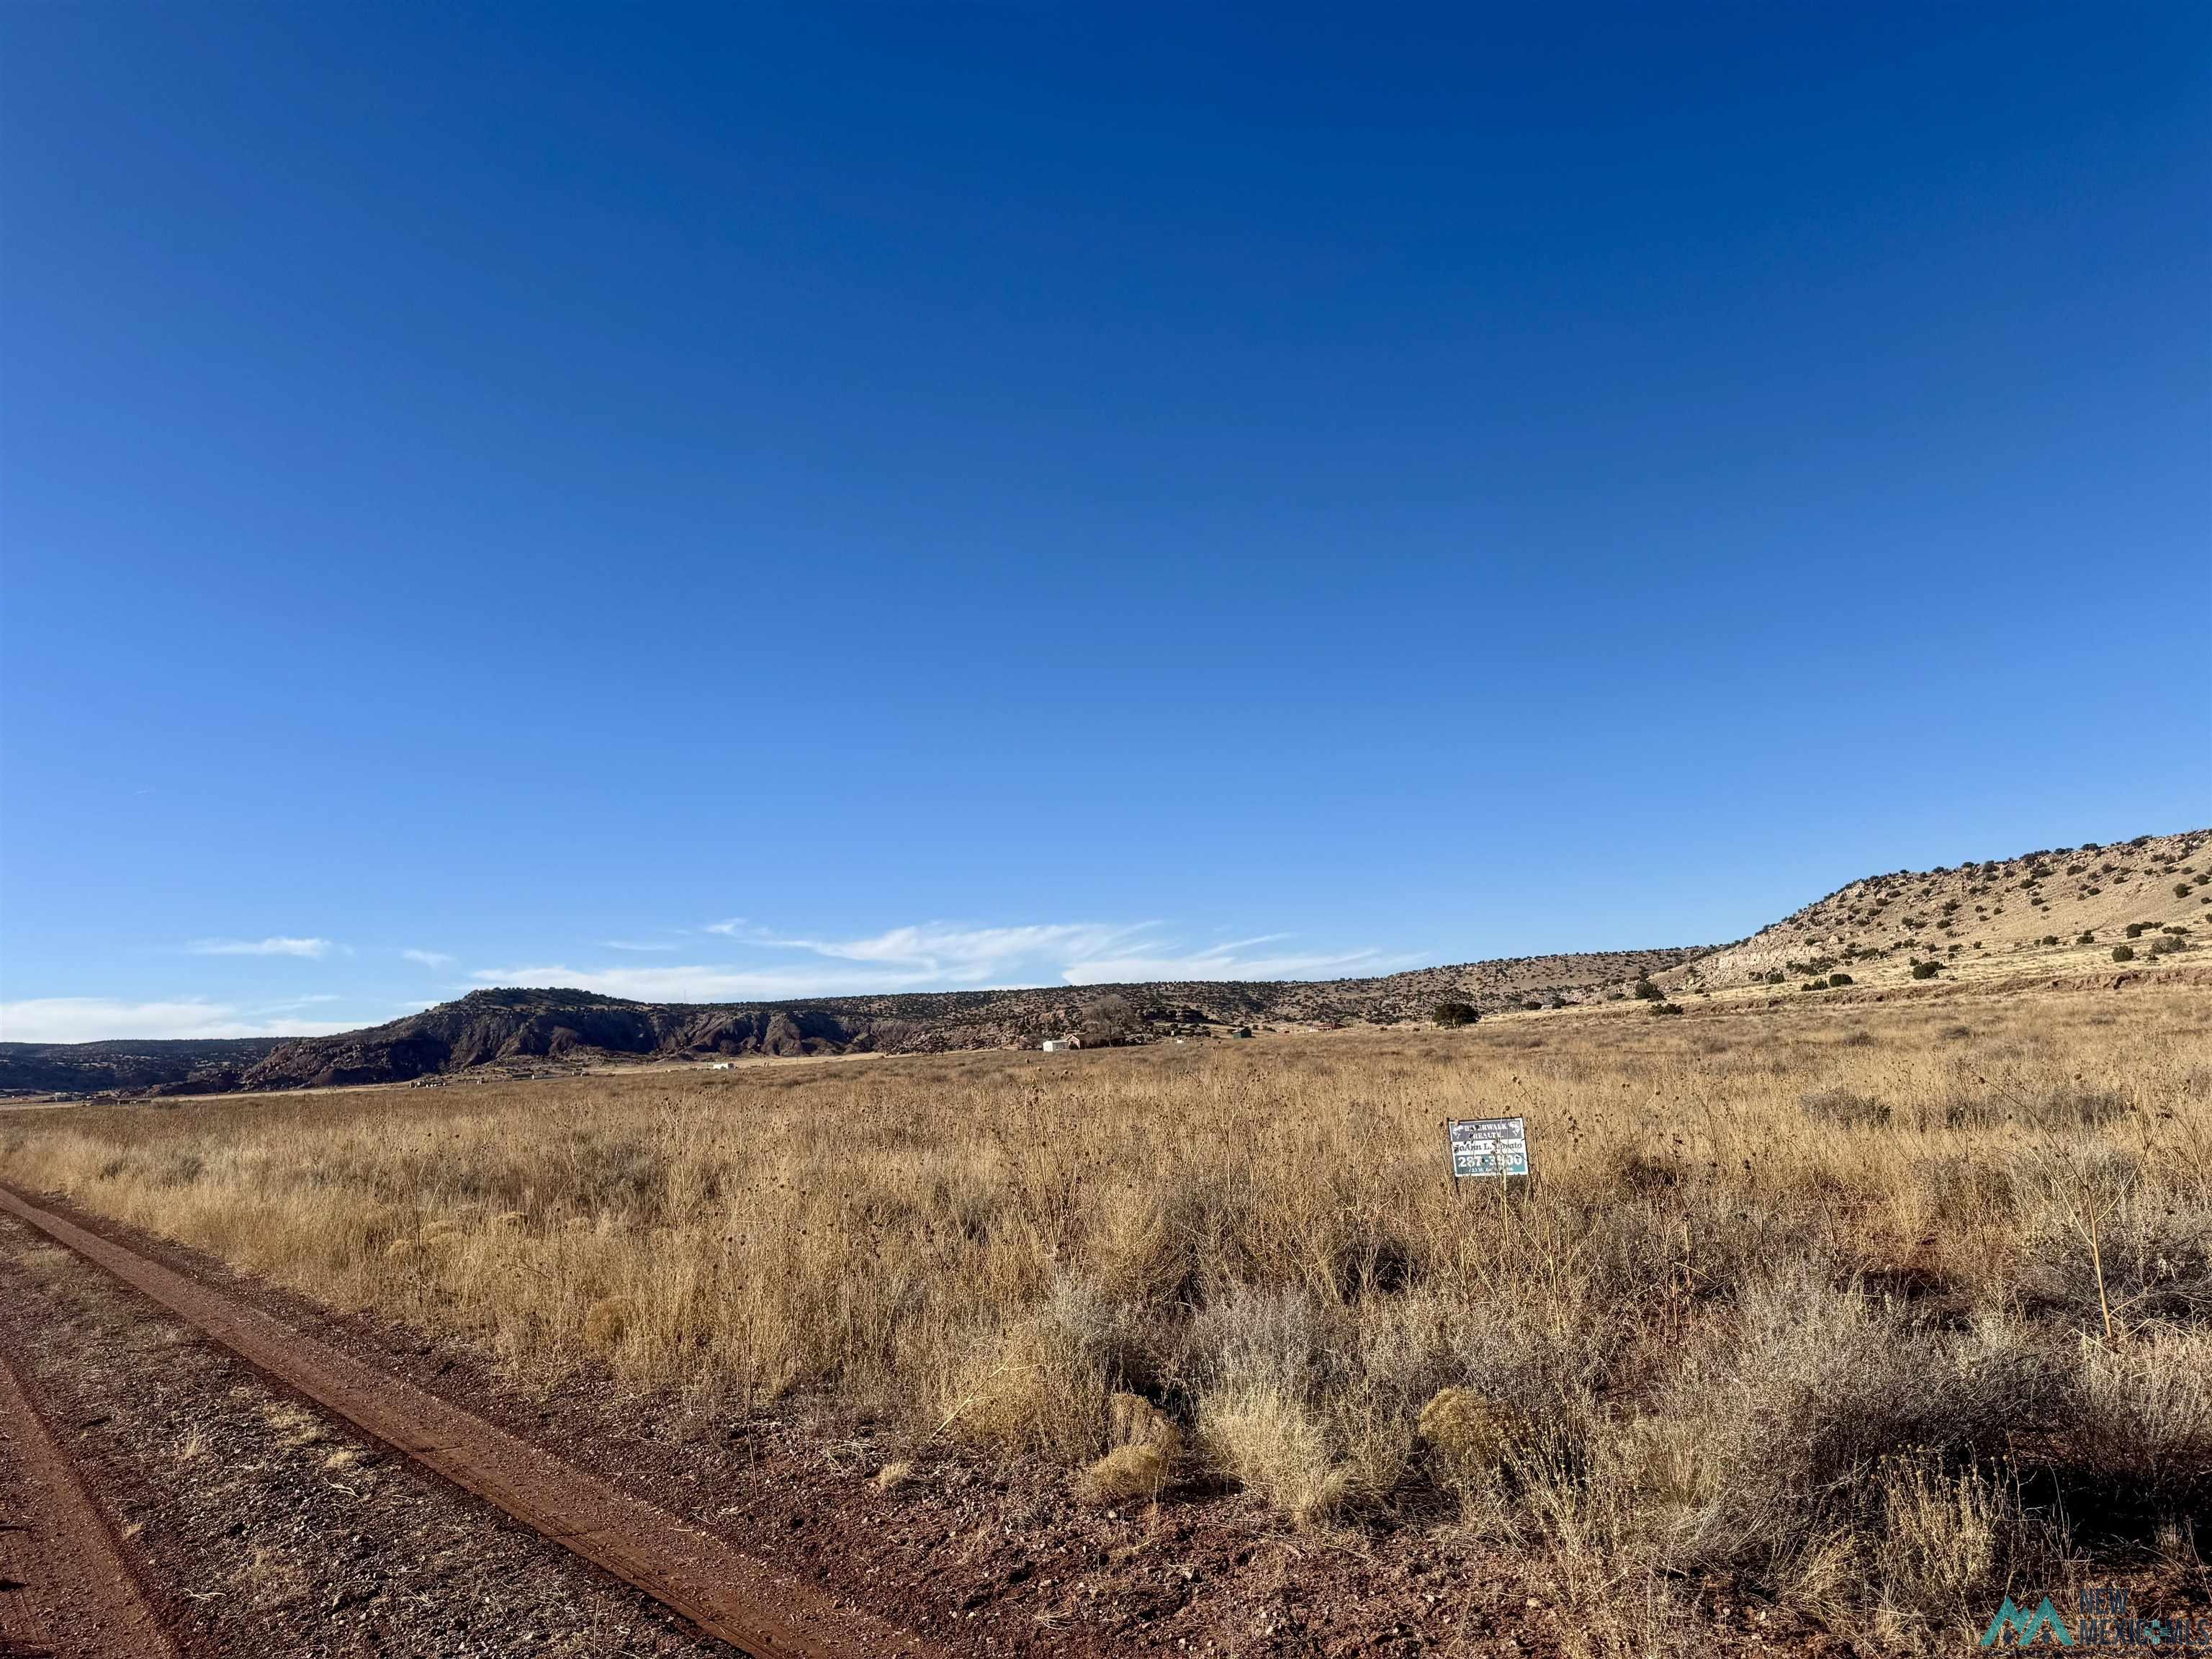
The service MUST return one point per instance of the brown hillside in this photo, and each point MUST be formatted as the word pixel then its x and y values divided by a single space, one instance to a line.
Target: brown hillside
pixel 2059 912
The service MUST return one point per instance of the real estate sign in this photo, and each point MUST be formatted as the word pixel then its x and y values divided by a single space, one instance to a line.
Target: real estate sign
pixel 1488 1146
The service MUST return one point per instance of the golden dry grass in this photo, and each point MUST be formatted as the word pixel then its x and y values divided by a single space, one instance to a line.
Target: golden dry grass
pixel 1839 1301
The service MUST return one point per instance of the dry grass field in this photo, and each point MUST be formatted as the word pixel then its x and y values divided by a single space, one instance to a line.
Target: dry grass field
pixel 1877 1309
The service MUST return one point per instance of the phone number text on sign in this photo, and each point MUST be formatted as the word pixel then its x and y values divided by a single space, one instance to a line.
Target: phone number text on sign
pixel 1488 1146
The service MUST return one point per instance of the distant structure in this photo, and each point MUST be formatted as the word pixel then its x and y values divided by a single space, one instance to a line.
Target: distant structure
pixel 1059 1045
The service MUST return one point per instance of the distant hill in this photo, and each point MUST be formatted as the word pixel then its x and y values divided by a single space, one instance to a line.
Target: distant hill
pixel 2056 914
pixel 2060 911
pixel 523 1027
pixel 504 1027
pixel 176 1066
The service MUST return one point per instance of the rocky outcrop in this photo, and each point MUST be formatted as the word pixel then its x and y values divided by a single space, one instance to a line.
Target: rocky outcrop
pixel 488 1028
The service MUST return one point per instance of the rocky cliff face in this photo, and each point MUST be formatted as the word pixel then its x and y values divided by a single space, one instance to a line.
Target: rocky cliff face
pixel 488 1027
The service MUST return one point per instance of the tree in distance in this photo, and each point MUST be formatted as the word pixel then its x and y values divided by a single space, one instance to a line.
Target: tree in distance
pixel 1105 1020
pixel 1449 1014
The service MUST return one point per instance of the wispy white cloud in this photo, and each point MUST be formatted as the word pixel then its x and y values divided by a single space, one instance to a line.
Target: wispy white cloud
pixel 92 1019
pixel 970 955
pixel 428 958
pixel 314 948
pixel 634 944
pixel 1225 962
pixel 697 983
pixel 943 956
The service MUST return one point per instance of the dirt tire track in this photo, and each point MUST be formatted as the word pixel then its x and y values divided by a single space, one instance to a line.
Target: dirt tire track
pixel 66 1586
pixel 728 1594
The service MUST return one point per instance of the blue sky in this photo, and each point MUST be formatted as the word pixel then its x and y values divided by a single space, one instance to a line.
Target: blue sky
pixel 753 502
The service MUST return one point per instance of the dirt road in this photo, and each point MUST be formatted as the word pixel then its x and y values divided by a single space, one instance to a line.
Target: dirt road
pixel 719 1589
pixel 66 1586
